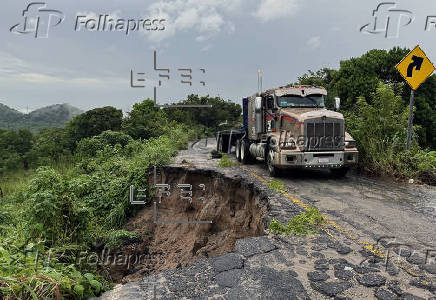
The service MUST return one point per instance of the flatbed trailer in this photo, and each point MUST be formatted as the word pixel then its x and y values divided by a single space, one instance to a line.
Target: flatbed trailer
pixel 226 139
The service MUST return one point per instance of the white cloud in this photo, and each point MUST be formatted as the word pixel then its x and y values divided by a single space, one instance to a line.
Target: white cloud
pixel 274 9
pixel 314 42
pixel 204 17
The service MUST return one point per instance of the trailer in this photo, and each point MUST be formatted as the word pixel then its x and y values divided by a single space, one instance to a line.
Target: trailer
pixel 227 139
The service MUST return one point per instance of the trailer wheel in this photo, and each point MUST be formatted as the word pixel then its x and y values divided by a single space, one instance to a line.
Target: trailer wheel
pixel 245 154
pixel 238 150
pixel 272 170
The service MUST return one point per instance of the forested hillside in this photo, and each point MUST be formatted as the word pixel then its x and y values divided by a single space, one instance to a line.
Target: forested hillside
pixel 51 116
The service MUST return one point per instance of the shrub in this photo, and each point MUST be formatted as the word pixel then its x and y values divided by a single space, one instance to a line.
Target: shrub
pixel 380 130
pixel 226 162
pixel 308 222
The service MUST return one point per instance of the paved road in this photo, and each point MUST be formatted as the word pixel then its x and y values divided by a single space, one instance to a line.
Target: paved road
pixel 332 265
pixel 370 208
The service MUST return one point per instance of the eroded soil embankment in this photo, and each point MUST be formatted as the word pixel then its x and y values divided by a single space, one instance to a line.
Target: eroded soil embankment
pixel 236 208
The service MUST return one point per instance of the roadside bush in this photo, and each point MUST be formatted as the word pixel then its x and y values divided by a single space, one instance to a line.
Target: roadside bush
pixel 380 130
pixel 59 214
pixel 88 147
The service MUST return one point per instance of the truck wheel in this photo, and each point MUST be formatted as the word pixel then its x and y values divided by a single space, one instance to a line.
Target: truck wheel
pixel 238 150
pixel 339 173
pixel 272 170
pixel 245 152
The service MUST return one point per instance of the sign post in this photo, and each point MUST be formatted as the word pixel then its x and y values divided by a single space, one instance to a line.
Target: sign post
pixel 410 126
pixel 415 69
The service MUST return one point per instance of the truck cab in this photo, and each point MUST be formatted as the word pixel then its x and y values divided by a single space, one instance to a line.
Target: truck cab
pixel 290 127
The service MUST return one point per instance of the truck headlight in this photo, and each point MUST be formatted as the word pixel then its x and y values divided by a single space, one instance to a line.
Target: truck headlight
pixel 350 144
pixel 288 145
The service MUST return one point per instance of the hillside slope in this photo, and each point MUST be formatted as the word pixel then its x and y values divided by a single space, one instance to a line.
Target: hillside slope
pixel 50 116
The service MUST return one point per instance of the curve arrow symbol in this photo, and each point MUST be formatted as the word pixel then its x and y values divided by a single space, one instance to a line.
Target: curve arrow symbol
pixel 416 63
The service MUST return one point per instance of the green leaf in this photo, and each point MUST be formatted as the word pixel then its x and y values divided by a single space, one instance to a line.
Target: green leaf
pixel 78 288
pixel 96 285
pixel 89 276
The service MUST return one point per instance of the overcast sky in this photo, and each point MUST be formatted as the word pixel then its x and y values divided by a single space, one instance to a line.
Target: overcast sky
pixel 230 39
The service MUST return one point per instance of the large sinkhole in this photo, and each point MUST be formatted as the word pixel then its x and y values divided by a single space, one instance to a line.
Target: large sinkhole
pixel 235 208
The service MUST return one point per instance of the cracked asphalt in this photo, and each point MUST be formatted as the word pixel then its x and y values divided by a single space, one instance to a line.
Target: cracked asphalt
pixel 380 243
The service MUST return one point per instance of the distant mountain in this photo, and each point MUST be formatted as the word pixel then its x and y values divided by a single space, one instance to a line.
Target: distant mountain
pixel 50 116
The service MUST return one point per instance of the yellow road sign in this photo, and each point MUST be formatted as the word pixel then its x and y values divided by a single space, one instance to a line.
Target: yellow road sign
pixel 415 67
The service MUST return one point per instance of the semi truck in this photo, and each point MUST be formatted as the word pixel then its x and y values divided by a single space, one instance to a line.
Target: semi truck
pixel 289 127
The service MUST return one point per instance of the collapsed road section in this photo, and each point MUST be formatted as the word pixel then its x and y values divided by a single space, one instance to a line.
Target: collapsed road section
pixel 175 234
pixel 260 264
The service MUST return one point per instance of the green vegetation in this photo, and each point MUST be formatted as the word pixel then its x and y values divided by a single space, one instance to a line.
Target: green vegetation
pixel 381 129
pixel 208 122
pixel 51 116
pixel 94 122
pixel 226 162
pixel 66 195
pixel 277 185
pixel 375 104
pixel 308 222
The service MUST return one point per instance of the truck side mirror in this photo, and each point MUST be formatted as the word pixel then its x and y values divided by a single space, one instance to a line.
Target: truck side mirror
pixel 337 103
pixel 270 102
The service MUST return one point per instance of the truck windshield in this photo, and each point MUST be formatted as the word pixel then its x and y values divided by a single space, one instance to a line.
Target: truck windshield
pixel 298 101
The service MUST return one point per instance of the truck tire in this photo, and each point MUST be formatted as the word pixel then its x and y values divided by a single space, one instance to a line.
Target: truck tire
pixel 238 150
pixel 245 152
pixel 272 169
pixel 340 173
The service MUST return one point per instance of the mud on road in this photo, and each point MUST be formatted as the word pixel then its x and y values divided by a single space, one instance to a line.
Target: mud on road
pixel 380 243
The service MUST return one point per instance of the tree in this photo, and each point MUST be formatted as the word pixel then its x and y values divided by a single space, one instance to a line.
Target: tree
pixel 220 112
pixel 322 78
pixel 51 145
pixel 359 77
pixel 145 121
pixel 13 147
pixel 425 114
pixel 94 122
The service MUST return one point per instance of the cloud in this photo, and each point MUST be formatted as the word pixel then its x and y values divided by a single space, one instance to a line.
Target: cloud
pixel 203 17
pixel 314 42
pixel 274 9
pixel 15 69
pixel 10 64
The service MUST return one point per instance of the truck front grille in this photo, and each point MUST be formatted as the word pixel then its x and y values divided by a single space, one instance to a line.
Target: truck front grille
pixel 324 134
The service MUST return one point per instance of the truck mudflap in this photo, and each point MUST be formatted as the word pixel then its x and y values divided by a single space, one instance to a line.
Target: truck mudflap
pixel 314 160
